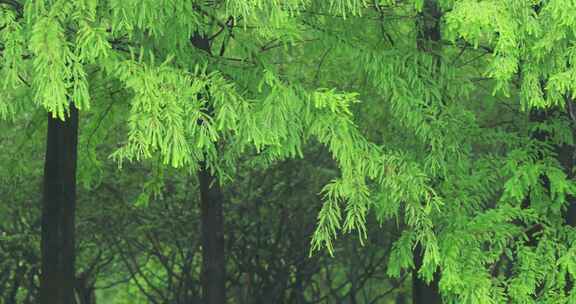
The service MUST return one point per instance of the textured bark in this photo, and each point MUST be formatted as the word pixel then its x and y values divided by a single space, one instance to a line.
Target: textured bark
pixel 58 211
pixel 213 259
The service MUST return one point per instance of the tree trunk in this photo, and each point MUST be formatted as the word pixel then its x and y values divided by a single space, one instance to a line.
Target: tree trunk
pixel 423 293
pixel 85 291
pixel 428 41
pixel 212 214
pixel 58 211
pixel 401 298
pixel 213 260
pixel 566 157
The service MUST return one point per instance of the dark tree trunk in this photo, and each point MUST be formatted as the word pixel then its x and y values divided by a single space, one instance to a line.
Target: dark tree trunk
pixel 428 41
pixel 58 211
pixel 401 298
pixel 423 293
pixel 212 214
pixel 213 260
pixel 537 116
pixel 566 156
pixel 428 26
pixel 85 291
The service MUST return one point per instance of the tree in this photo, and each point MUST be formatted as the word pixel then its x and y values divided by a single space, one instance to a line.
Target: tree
pixel 58 211
pixel 428 39
pixel 463 137
pixel 60 49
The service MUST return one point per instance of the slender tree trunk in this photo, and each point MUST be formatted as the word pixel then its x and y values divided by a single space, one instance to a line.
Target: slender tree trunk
pixel 213 259
pixel 566 155
pixel 58 211
pixel 212 214
pixel 423 293
pixel 428 41
pixel 401 298
pixel 537 116
pixel 85 291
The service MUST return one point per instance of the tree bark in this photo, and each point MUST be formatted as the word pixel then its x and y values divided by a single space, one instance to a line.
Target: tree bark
pixel 85 290
pixel 212 217
pixel 212 221
pixel 58 211
pixel 401 298
pixel 566 156
pixel 423 293
pixel 428 41
pixel 567 159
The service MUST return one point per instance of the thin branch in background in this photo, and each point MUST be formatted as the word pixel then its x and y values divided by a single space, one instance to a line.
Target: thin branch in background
pixel 99 123
pixel 462 50
pixel 269 47
pixel 320 63
pixel 472 60
pixel 395 286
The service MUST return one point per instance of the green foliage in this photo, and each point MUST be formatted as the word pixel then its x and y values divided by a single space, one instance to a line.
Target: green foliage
pixel 465 141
